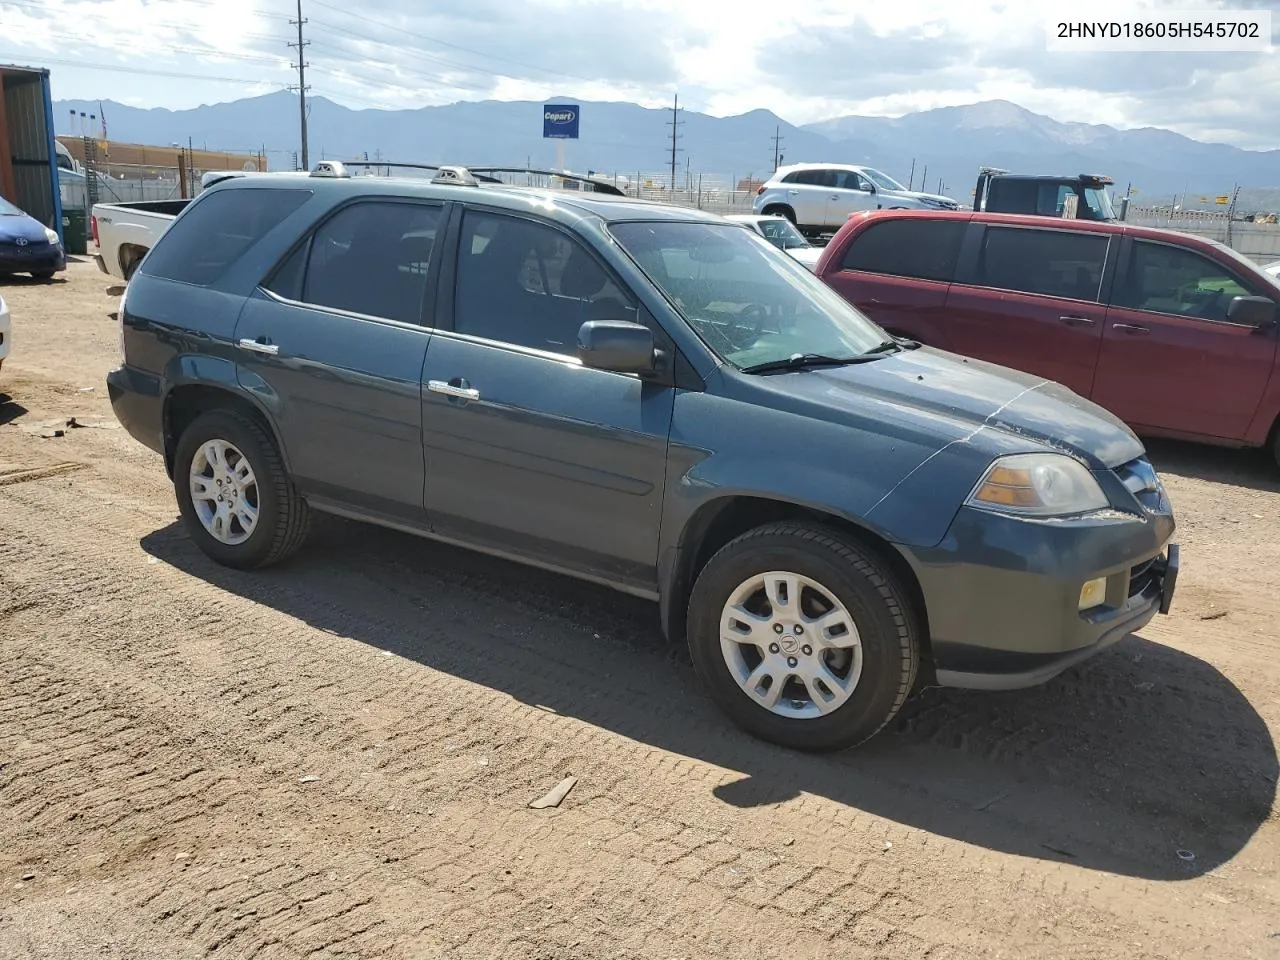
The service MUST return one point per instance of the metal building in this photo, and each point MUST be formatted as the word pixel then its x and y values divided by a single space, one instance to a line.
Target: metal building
pixel 28 160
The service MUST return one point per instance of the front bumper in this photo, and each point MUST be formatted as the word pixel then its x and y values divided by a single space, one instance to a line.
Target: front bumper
pixel 137 403
pixel 47 260
pixel 1002 594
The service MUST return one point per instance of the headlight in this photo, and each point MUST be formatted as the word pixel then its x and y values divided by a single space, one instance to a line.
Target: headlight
pixel 1038 485
pixel 52 235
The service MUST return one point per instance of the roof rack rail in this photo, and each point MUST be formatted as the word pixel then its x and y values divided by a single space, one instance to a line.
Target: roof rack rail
pixel 460 174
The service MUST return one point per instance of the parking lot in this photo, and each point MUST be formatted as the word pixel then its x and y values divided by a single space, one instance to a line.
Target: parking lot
pixel 336 757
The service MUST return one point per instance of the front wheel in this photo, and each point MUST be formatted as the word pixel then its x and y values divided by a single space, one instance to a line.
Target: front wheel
pixel 42 274
pixel 238 502
pixel 803 637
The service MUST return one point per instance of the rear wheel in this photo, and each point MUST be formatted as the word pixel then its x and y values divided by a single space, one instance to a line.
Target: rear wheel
pixel 42 274
pixel 803 637
pixel 781 210
pixel 239 504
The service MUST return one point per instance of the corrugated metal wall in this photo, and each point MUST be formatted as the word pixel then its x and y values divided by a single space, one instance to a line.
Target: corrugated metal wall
pixel 26 117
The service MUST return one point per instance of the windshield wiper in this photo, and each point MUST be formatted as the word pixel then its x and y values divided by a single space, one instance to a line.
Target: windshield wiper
pixel 897 343
pixel 804 361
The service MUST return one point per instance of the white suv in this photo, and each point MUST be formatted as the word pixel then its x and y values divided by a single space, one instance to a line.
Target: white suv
pixel 819 197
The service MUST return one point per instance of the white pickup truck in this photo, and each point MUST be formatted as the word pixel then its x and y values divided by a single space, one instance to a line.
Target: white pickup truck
pixel 124 232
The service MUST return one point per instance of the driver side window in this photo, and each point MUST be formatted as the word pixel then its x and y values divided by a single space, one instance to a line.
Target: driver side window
pixel 1166 279
pixel 526 283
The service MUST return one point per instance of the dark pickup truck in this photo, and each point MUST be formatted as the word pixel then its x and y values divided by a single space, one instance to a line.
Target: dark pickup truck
pixel 650 398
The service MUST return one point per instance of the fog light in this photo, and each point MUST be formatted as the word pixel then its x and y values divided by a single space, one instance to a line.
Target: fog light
pixel 1093 593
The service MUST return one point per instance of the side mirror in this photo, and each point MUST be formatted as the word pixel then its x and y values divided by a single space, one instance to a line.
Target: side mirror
pixel 1252 311
pixel 871 187
pixel 617 345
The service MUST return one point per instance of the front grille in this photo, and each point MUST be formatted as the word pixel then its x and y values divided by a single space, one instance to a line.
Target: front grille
pixel 1140 479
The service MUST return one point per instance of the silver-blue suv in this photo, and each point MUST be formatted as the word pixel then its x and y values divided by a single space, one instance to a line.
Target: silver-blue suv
pixel 646 397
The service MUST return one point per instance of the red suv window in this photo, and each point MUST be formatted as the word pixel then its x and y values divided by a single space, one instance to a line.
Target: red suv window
pixel 923 249
pixel 1054 263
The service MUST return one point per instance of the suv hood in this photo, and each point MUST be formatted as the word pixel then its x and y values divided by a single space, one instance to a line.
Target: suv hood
pixel 934 197
pixel 961 396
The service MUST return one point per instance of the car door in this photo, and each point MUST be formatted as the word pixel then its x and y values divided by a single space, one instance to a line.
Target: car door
pixel 529 452
pixel 897 272
pixel 851 192
pixel 335 342
pixel 1171 360
pixel 807 194
pixel 1029 298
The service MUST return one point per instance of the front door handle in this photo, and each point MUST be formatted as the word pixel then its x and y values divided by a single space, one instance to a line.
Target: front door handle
pixel 258 346
pixel 1077 321
pixel 458 390
pixel 1132 329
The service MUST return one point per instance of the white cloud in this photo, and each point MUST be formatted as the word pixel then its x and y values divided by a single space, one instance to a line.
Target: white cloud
pixel 805 61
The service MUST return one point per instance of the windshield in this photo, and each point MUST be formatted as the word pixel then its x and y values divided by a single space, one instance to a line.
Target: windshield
pixel 780 232
pixel 749 305
pixel 882 180
pixel 1099 202
pixel 7 209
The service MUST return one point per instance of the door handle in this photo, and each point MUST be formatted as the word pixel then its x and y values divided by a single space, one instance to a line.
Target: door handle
pixel 449 390
pixel 257 346
pixel 793 193
pixel 1078 321
pixel 1132 329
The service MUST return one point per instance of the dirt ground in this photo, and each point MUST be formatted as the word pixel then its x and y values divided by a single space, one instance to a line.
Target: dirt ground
pixel 335 758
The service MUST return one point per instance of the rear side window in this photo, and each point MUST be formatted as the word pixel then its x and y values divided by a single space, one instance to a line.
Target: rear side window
pixel 921 249
pixel 217 231
pixel 370 258
pixel 1054 263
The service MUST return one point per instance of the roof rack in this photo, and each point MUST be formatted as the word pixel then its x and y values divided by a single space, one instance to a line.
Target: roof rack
pixel 474 176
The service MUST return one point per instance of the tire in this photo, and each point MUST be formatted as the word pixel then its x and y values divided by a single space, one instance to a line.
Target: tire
pixel 781 210
pixel 43 274
pixel 282 516
pixel 131 268
pixel 884 647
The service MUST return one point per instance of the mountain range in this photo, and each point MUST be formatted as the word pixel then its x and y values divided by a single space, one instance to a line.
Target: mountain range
pixel 626 139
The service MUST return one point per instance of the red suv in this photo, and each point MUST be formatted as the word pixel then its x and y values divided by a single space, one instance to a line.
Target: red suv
pixel 1173 333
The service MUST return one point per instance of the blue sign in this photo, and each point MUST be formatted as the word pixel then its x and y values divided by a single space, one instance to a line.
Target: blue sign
pixel 560 121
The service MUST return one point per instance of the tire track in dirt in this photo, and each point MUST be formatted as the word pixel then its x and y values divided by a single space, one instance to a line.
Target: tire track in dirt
pixel 254 662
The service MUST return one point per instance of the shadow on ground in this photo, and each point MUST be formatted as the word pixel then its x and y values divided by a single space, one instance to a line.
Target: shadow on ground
pixel 1131 763
pixel 10 409
pixel 1256 469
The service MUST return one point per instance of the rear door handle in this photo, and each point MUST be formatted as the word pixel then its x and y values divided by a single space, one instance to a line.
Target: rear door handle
pixel 257 346
pixel 450 390
pixel 1078 321
pixel 1132 329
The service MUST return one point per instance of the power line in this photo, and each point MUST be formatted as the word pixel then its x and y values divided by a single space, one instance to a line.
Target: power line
pixel 674 123
pixel 302 83
pixel 444 43
pixel 115 68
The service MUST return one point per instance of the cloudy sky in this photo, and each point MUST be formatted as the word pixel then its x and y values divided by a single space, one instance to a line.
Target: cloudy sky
pixel 805 61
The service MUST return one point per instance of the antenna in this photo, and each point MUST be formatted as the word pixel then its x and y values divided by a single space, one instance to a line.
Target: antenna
pixel 302 88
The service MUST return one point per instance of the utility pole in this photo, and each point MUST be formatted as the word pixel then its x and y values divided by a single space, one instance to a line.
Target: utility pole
pixel 675 124
pixel 301 67
pixel 777 145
